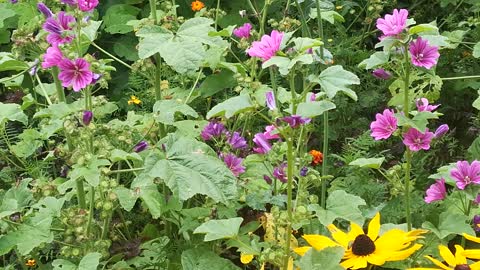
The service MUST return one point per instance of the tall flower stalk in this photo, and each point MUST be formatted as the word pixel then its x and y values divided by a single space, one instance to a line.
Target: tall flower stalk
pixel 408 152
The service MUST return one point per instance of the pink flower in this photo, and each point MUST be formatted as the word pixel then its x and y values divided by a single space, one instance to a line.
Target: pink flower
pixel 234 163
pixel 52 57
pixel 424 106
pixel 243 31
pixel 393 24
pixel 59 28
pixel 75 73
pixel 270 100
pixel 267 47
pixel 423 55
pixel 384 126
pixel 415 140
pixel 269 133
pixel 465 173
pixel 262 143
pixel 436 192
pixel 87 5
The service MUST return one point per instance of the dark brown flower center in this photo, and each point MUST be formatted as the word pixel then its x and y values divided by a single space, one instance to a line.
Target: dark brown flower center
pixel 462 267
pixel 363 245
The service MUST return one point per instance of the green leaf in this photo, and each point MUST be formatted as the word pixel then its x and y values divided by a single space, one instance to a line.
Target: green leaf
pixel 231 107
pixel 201 259
pixel 12 112
pixel 90 171
pixel 61 264
pixel 29 143
pixel 419 121
pixel 340 205
pixel 449 223
pixel 422 28
pixel 284 64
pixel 5 13
pixel 151 38
pixel 8 62
pixel 189 168
pixel 220 228
pixel 16 199
pixel 216 83
pixel 117 17
pixel 376 59
pixel 329 15
pixel 374 163
pixel 90 31
pixel 335 79
pixel 190 128
pixel 120 155
pixel 146 190
pixel 90 261
pixel 474 149
pixel 164 111
pixel 125 47
pixel 126 197
pixel 476 53
pixel 325 259
pixel 314 108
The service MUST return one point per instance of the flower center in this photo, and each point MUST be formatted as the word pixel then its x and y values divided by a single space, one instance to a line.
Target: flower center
pixel 462 267
pixel 420 56
pixel 363 245
pixel 467 179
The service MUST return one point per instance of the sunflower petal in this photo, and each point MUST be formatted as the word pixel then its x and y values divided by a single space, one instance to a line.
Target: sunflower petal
pixel 319 242
pixel 301 250
pixel 339 235
pixel 356 262
pixel 472 238
pixel 438 263
pixel 447 255
pixel 403 254
pixel 475 266
pixel 374 227
pixel 459 256
pixel 472 253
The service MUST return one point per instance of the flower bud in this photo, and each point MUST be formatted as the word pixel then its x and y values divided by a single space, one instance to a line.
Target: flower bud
pixel 44 10
pixel 139 147
pixel 441 130
pixel 87 117
pixel 381 73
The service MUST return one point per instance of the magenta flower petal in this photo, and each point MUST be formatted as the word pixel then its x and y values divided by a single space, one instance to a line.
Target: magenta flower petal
pixel 262 143
pixel 75 73
pixel 212 130
pixel 279 172
pixel 415 140
pixel 267 47
pixel 270 99
pixel 59 28
pixel 236 141
pixel 269 133
pixel 234 163
pixel 381 73
pixel 436 192
pixel 441 130
pixel 87 5
pixel 296 120
pixel 243 31
pixel 384 126
pixel 465 174
pixel 52 57
pixel 422 54
pixel 424 106
pixel 393 24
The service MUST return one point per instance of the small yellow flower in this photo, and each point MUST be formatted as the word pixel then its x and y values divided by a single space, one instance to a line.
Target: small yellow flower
pixel 246 258
pixel 339 7
pixel 197 5
pixel 452 262
pixel 134 100
pixel 330 40
pixel 31 263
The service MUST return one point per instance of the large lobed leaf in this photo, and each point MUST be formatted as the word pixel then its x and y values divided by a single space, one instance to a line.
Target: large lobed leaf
pixel 335 79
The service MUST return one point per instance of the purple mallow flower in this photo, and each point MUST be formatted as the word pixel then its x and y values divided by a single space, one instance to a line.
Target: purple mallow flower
pixel 267 47
pixel 87 117
pixel 270 100
pixel 423 55
pixel 52 58
pixel 441 130
pixel 393 24
pixel 243 31
pixel 415 140
pixel 236 141
pixel 303 171
pixel 262 143
pixel 476 223
pixel 139 147
pixel 279 173
pixel 59 28
pixel 465 173
pixel 384 126
pixel 234 163
pixel 270 133
pixel 436 192
pixel 13 1
pixel 296 120
pixel 87 5
pixel 381 73
pixel 424 106
pixel 44 10
pixel 212 130
pixel 75 73
pixel 69 2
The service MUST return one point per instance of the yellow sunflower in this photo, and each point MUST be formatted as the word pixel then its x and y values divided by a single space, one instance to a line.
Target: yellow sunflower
pixel 455 262
pixel 363 248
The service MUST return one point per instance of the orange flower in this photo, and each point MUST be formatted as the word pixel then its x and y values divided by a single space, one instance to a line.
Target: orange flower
pixel 197 5
pixel 317 157
pixel 31 263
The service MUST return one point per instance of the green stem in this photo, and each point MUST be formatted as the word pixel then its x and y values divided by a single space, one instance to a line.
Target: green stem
pixel 194 86
pixel 81 193
pixel 43 89
pixel 304 20
pixel 106 225
pixel 274 85
pixel 290 161
pixel 111 55
pixel 408 153
pixel 153 11
pixel 264 17
pixel 216 14
pixel 174 8
pixel 252 7
pixel 58 85
pixel 90 210
pixel 461 78
pixel 320 26
pixel 158 75
pixel 292 90
pixel 285 11
pixel 323 197
pixel 126 170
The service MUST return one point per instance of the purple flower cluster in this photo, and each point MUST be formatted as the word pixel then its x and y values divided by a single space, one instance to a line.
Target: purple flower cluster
pixel 212 130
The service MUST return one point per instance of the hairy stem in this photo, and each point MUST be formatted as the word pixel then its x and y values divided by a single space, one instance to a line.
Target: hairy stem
pixel 290 161
pixel 408 153
pixel 320 26
pixel 323 197
pixel 58 85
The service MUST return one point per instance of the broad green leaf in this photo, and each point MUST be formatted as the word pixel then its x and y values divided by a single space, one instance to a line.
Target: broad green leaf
pixel 314 108
pixel 335 79
pixel 16 199
pixel 449 223
pixel 284 64
pixel 146 190
pixel 5 13
pixel 190 128
pixel 90 261
pixel 476 53
pixel 376 59
pixel 220 228
pixel 126 197
pixel 120 155
pixel 302 44
pixel 8 62
pixel 422 28
pixel 117 17
pixel 216 83
pixel 61 264
pixel 419 121
pixel 437 40
pixel 30 141
pixel 12 112
pixel 226 32
pixel 189 168
pixel 152 36
pixel 325 259
pixel 340 205
pixel 374 163
pixel 231 107
pixel 455 38
pixel 329 15
pixel 474 149
pixel 201 259
pixel 90 31
pixel 125 47
pixel 164 111
pixel 90 171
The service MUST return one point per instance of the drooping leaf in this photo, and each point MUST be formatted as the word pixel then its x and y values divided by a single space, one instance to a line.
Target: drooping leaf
pixel 220 228
pixel 449 223
pixel 335 79
pixel 374 163
pixel 314 108
pixel 16 199
pixel 190 167
pixel 8 62
pixel 328 15
pixel 164 111
pixel 126 197
pixel 88 262
pixel 340 205
pixel 12 112
pixel 419 121
pixel 376 59
pixel 231 107
pixel 5 13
